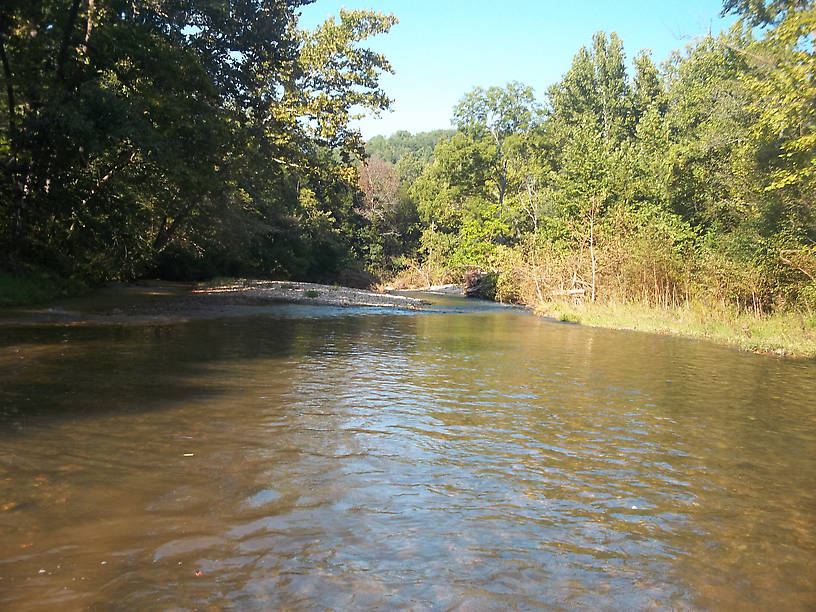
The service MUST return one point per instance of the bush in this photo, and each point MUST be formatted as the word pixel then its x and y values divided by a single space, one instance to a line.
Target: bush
pixel 36 287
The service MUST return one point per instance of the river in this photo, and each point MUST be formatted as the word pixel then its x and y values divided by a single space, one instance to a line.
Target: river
pixel 470 458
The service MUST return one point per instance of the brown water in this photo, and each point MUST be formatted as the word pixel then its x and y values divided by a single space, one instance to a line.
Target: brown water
pixel 308 458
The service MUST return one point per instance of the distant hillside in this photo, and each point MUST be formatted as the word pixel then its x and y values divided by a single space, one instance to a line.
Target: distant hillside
pixel 403 142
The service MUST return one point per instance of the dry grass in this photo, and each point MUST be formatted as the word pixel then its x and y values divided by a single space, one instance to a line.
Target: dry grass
pixel 790 334
pixel 421 276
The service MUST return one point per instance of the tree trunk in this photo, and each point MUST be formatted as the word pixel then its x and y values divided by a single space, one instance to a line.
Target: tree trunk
pixel 168 232
pixel 12 105
pixel 66 40
pixel 89 23
pixel 592 249
pixel 502 184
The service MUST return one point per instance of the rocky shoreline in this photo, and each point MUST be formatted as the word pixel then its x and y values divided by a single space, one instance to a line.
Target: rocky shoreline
pixel 159 302
pixel 255 291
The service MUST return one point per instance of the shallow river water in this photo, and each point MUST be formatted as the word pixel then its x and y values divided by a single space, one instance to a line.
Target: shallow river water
pixel 475 458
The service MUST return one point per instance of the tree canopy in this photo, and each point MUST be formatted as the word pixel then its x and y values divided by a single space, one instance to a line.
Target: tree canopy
pixel 182 137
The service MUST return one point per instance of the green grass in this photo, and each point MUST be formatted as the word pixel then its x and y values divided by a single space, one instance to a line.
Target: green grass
pixel 311 293
pixel 36 288
pixel 791 334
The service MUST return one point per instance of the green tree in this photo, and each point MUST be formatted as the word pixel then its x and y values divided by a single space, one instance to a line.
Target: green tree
pixel 781 77
pixel 497 114
pixel 207 134
pixel 401 143
pixel 596 87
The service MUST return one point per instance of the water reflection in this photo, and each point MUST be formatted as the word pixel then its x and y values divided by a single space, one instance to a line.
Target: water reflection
pixel 482 460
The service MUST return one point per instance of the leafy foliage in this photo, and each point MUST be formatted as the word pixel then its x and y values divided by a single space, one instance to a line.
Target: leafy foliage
pixel 184 138
pixel 207 137
pixel 686 184
pixel 402 143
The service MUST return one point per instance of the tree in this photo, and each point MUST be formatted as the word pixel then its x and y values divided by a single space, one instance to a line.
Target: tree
pixel 336 79
pixel 420 145
pixel 781 76
pixel 712 180
pixel 767 12
pixel 379 184
pixel 497 113
pixel 138 135
pixel 647 88
pixel 596 87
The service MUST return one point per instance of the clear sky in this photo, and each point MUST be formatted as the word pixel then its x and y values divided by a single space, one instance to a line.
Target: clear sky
pixel 441 49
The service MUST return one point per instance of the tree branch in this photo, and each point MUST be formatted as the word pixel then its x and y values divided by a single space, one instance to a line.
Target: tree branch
pixel 123 163
pixel 801 268
pixel 167 233
pixel 89 23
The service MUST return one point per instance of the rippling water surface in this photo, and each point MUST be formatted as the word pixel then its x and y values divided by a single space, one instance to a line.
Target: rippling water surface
pixel 479 459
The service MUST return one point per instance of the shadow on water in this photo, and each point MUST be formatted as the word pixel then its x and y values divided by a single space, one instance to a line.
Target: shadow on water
pixel 58 371
pixel 55 372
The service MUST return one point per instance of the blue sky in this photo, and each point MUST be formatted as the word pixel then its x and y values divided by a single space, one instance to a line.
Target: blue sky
pixel 441 49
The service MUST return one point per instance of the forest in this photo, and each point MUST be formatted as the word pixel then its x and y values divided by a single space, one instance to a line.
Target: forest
pixel 189 139
pixel 182 138
pixel 687 182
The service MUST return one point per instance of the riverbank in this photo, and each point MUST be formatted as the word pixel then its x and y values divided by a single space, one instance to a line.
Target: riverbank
pixel 254 291
pixel 165 302
pixel 146 302
pixel 788 334
pixel 36 288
